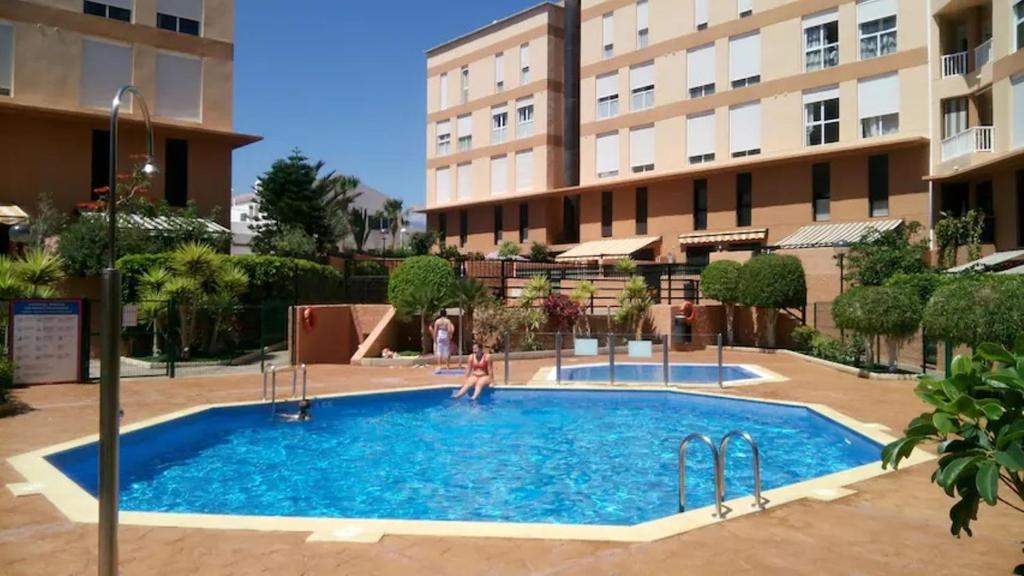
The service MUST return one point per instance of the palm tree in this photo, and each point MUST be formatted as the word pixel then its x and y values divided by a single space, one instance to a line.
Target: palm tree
pixel 635 304
pixel 359 223
pixel 153 302
pixel 41 271
pixel 396 216
pixel 424 303
pixel 469 294
pixel 338 193
pixel 583 295
pixel 537 288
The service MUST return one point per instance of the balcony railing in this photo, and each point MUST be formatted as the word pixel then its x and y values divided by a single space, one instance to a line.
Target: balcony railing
pixel 954 64
pixel 983 53
pixel 976 139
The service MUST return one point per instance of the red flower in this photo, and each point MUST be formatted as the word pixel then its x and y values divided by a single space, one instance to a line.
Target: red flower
pixel 102 190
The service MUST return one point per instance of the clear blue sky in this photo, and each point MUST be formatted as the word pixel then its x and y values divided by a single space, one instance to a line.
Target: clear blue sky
pixel 345 82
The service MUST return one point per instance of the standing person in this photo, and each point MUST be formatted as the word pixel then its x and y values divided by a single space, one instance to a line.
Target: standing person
pixel 478 373
pixel 442 330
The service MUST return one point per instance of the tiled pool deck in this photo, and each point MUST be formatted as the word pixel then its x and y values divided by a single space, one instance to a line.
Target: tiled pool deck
pixel 893 524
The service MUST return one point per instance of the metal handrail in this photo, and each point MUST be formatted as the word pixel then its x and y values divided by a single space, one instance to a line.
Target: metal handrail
pixel 272 372
pixel 717 467
pixel 723 446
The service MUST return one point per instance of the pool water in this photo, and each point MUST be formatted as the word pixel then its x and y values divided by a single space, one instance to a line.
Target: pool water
pixel 555 456
pixel 654 373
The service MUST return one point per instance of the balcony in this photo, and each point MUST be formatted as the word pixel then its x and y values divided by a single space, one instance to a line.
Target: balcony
pixel 976 139
pixel 983 54
pixel 954 64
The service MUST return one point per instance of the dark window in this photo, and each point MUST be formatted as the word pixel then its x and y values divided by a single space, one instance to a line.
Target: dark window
pixel 571 219
pixel 700 205
pixel 524 222
pixel 606 214
pixel 985 203
pixel 822 122
pixel 442 228
pixel 698 256
pixel 95 8
pixel 112 12
pixel 177 24
pixel 744 199
pixel 641 210
pixel 878 185
pixel 100 161
pixel 499 223
pixel 821 191
pixel 188 26
pixel 463 227
pixel 954 199
pixel 176 172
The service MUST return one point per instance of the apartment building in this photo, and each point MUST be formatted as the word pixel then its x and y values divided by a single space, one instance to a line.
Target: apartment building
pixel 715 127
pixel 62 61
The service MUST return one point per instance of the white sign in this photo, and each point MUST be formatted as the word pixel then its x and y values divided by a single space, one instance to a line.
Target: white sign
pixel 46 343
pixel 130 316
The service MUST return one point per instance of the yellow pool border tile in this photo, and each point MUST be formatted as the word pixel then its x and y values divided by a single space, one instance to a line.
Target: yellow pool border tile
pixel 80 506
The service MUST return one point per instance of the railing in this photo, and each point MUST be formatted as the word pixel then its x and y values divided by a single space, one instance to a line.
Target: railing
pixel 272 373
pixel 983 54
pixel 954 64
pixel 974 139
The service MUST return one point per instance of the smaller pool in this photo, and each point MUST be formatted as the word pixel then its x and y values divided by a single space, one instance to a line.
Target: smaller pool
pixel 650 373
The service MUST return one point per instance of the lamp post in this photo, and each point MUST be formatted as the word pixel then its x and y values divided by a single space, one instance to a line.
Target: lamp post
pixel 110 356
pixel 842 249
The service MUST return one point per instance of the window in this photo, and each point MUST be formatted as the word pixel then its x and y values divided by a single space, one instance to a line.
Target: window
pixel 608 35
pixel 182 16
pixel 105 69
pixel 1018 24
pixel 878 185
pixel 700 14
pixel 876 20
pixel 444 90
pixel 954 198
pixel 821 40
pixel 524 222
pixel 745 60
pixel 879 101
pixel 100 162
pixel 524 170
pixel 700 69
pixel 608 155
pixel 641 210
pixel 499 223
pixel 499 174
pixel 442 228
pixel 464 130
pixel 6 59
pixel 821 116
pixel 821 191
pixel 443 184
pixel 700 204
pixel 571 219
pixel 700 257
pixel 179 86
pixel 443 130
pixel 608 95
pixel 524 117
pixel 499 124
pixel 641 86
pixel 745 129
pixel 499 72
pixel 744 198
pixel 745 7
pixel 463 227
pixel 606 214
pixel 700 137
pixel 1017 106
pixel 464 83
pixel 176 172
pixel 986 205
pixel 524 63
pixel 954 116
pixel 464 180
pixel 642 23
pixel 113 9
pixel 641 149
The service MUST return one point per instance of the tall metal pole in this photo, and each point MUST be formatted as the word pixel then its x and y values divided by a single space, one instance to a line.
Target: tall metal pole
pixel 720 383
pixel 110 355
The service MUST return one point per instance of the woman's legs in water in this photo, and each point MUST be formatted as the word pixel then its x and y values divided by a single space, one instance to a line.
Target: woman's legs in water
pixel 481 383
pixel 465 387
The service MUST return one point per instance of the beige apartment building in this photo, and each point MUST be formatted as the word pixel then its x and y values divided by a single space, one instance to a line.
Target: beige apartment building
pixel 62 61
pixel 710 128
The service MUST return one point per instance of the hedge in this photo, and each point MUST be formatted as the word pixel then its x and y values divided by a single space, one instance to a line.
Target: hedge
pixel 773 281
pixel 429 274
pixel 976 309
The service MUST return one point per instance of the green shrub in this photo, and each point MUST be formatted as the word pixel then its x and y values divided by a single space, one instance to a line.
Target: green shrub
pixel 539 252
pixel 923 284
pixel 772 282
pixel 508 249
pixel 721 281
pixel 849 351
pixel 802 337
pixel 625 266
pixel 6 377
pixel 891 312
pixel 879 255
pixel 133 267
pixel 421 286
pixel 420 243
pixel 369 268
pixel 975 309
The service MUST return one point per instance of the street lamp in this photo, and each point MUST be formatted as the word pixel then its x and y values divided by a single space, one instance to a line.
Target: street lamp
pixel 401 236
pixel 110 355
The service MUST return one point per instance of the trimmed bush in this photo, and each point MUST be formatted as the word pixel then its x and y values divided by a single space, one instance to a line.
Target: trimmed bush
pixel 421 286
pixel 975 309
pixel 772 282
pixel 891 312
pixel 923 284
pixel 721 281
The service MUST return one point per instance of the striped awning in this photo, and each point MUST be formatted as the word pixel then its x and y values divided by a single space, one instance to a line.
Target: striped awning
pixel 160 223
pixel 610 248
pixel 1017 270
pixel 998 260
pixel 715 238
pixel 11 215
pixel 830 235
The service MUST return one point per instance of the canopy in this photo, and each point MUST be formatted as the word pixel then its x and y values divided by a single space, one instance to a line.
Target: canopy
pixel 830 235
pixel 991 261
pixel 610 248
pixel 160 223
pixel 715 238
pixel 11 215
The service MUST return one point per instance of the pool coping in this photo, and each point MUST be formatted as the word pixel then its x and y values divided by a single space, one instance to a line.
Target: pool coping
pixel 77 505
pixel 546 375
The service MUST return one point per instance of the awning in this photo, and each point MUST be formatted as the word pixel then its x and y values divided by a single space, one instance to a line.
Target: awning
pixel 1017 270
pixel 610 248
pixel 732 237
pixel 829 235
pixel 11 215
pixel 157 224
pixel 991 261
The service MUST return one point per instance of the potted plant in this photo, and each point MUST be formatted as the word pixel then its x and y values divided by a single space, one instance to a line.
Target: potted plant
pixel 582 295
pixel 635 304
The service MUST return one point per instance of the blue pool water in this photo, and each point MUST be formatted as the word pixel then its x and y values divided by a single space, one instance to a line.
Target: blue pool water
pixel 562 456
pixel 653 373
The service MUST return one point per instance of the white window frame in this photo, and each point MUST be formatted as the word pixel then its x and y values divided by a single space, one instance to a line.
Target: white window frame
pixel 499 72
pixel 524 118
pixel 521 185
pixel 7 84
pixel 499 124
pixel 608 35
pixel 465 142
pixel 817 100
pixel 745 132
pixel 464 84
pixel 443 139
pixel 817 25
pixel 608 105
pixel 643 38
pixel 704 156
pixel 736 42
pixel 888 122
pixel 524 63
pixel 641 97
pixel 877 20
pixel 108 5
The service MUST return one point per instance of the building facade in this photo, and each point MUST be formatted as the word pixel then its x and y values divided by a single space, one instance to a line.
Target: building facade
pixel 708 128
pixel 62 61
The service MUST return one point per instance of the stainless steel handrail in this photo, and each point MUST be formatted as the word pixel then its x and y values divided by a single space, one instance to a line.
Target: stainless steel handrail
pixel 303 368
pixel 716 467
pixel 724 446
pixel 270 370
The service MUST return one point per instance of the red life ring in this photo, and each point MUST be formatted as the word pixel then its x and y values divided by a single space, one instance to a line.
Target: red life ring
pixel 308 319
pixel 689 311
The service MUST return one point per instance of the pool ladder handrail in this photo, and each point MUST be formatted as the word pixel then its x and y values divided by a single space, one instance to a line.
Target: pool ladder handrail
pixel 272 371
pixel 718 456
pixel 723 447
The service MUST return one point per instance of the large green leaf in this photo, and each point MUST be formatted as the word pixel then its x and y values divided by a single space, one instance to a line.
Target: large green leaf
pixel 944 423
pixel 951 473
pixel 988 481
pixel 962 364
pixel 992 408
pixel 1012 458
pixel 995 353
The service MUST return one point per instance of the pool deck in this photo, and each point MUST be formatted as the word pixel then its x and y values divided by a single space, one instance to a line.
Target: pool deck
pixel 892 524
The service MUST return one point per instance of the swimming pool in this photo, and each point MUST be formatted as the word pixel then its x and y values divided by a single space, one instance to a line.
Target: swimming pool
pixel 650 373
pixel 580 457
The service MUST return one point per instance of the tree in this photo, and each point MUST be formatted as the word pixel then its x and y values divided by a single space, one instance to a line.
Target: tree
pixel 582 294
pixel 470 294
pixel 977 424
pixel 952 232
pixel 891 312
pixel 508 249
pixel 421 242
pixel 539 252
pixel 879 255
pixel 975 309
pixel 635 302
pixel 721 281
pixel 47 222
pixel 421 286
pixel 152 307
pixel 770 282
pixel 396 217
pixel 293 242
pixel 359 224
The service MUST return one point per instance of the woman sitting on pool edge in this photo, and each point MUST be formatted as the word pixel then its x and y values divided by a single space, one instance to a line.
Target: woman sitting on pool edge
pixel 478 373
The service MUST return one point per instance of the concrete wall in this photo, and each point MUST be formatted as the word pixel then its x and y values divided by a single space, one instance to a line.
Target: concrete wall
pixel 333 338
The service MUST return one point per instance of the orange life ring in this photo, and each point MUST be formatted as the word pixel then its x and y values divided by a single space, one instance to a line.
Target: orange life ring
pixel 308 319
pixel 689 311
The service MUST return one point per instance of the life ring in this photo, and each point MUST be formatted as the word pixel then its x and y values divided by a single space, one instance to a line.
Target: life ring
pixel 689 311
pixel 308 319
